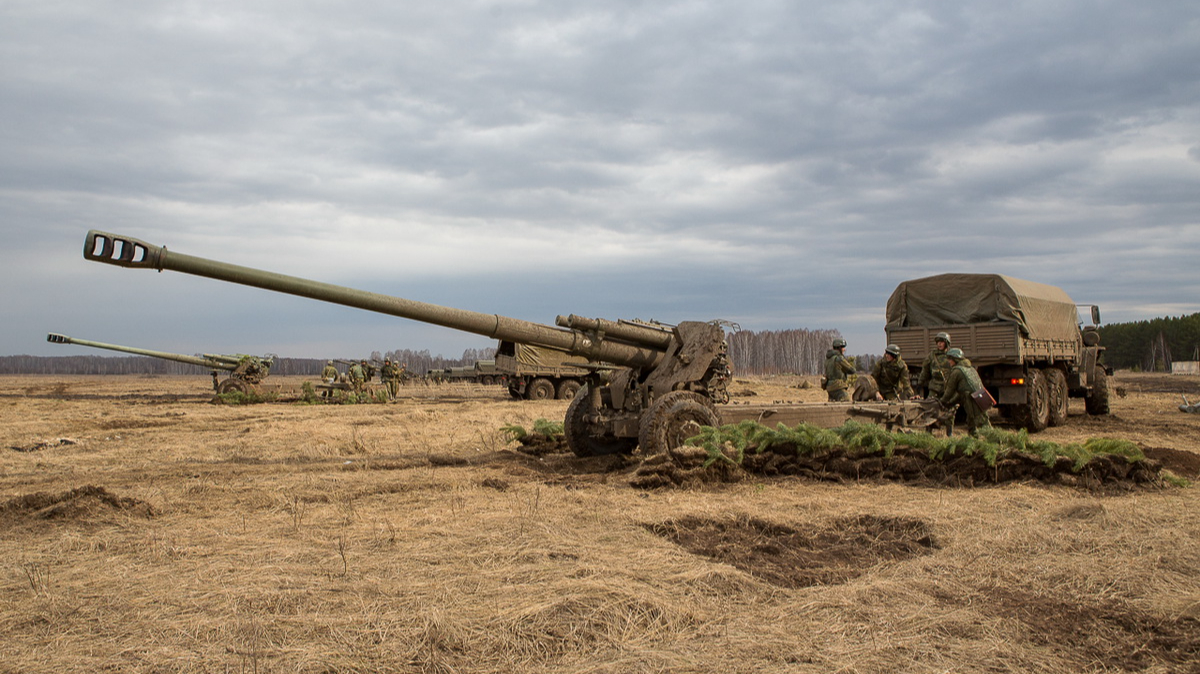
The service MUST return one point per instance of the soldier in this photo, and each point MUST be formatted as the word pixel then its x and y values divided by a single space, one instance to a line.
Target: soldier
pixel 390 374
pixel 358 377
pixel 330 373
pixel 891 375
pixel 837 369
pixel 962 381
pixel 935 369
pixel 368 370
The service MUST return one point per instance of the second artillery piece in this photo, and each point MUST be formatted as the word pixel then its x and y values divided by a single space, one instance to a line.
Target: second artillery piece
pixel 647 384
pixel 245 372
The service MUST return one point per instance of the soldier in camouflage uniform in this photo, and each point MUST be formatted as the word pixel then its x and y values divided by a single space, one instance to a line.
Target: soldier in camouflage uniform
pixel 935 369
pixel 330 376
pixel 358 377
pixel 837 370
pixel 390 374
pixel 962 381
pixel 891 376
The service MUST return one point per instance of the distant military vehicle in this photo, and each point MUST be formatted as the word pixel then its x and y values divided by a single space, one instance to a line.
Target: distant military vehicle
pixel 540 373
pixel 1023 337
pixel 245 372
pixel 651 386
pixel 486 372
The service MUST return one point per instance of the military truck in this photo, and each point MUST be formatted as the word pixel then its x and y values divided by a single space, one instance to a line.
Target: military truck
pixel 487 374
pixel 540 373
pixel 1024 338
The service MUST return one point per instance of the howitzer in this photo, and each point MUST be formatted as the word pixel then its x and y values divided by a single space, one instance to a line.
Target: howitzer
pixel 654 378
pixel 245 372
pixel 648 384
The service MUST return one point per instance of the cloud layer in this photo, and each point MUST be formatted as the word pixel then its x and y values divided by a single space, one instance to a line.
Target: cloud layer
pixel 778 164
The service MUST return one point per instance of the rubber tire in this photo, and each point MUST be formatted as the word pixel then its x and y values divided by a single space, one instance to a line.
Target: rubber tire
pixel 583 444
pixel 231 384
pixel 1098 402
pixel 1056 383
pixel 670 419
pixel 567 389
pixel 540 389
pixel 1034 415
pixel 864 389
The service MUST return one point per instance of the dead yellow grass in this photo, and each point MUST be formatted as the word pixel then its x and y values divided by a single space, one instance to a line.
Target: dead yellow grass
pixel 409 537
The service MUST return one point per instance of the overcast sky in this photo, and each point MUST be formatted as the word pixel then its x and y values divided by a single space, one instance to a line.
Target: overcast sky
pixel 779 164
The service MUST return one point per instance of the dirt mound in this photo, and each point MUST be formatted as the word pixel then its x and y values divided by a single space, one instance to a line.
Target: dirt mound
pixel 684 466
pixel 1183 464
pixel 537 444
pixel 82 504
pixel 788 557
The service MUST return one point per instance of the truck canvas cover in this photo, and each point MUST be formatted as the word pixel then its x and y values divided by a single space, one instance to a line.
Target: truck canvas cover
pixel 538 357
pixel 1041 311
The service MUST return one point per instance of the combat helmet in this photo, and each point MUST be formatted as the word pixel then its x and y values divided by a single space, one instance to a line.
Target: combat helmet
pixel 942 337
pixel 839 343
pixel 955 353
pixel 892 349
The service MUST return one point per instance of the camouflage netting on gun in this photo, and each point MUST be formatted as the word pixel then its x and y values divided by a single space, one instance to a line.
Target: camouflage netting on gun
pixel 857 451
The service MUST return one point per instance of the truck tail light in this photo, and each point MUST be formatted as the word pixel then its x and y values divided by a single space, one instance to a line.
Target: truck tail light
pixel 1017 381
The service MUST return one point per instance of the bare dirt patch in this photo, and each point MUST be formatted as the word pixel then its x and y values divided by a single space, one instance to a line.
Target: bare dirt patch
pixel 792 557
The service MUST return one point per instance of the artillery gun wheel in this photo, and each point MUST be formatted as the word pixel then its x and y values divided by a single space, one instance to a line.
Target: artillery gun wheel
pixel 1097 402
pixel 232 384
pixel 584 444
pixel 1056 383
pixel 674 418
pixel 540 389
pixel 1034 415
pixel 865 388
pixel 567 389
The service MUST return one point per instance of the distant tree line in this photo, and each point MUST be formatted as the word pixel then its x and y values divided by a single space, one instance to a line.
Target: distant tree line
pixel 783 351
pixel 418 362
pixel 1151 345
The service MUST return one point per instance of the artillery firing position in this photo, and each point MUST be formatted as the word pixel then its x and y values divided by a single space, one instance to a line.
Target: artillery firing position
pixel 245 372
pixel 647 384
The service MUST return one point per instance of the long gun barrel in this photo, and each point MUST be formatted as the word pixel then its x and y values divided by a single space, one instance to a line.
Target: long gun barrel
pixel 626 344
pixel 216 362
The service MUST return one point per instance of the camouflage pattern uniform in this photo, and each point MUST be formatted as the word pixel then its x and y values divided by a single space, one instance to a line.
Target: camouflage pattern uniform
pixel 330 376
pixel 837 370
pixel 962 381
pixel 935 369
pixel 390 374
pixel 330 373
pixel 358 377
pixel 892 378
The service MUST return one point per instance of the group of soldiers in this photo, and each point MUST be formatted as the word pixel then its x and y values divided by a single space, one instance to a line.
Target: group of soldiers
pixel 360 373
pixel 946 376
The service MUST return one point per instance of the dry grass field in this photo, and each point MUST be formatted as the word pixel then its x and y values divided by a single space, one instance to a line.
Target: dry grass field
pixel 143 529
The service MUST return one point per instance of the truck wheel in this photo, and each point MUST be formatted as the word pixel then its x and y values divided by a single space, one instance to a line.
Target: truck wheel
pixel 672 419
pixel 1097 401
pixel 1034 415
pixel 1056 383
pixel 540 389
pixel 581 441
pixel 515 391
pixel 567 389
